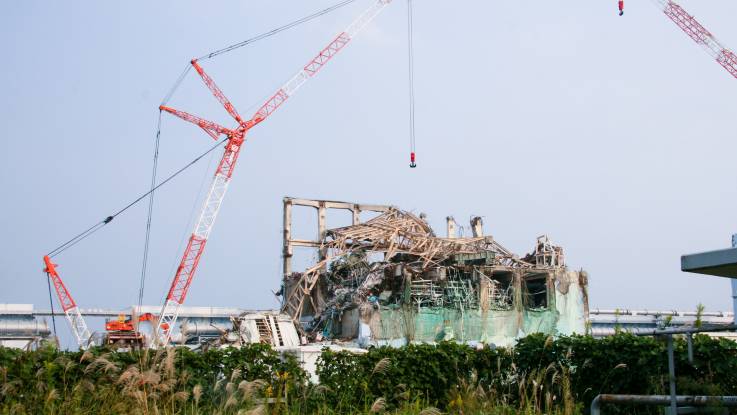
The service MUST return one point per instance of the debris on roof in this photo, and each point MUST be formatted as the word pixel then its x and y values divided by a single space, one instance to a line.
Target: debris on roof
pixel 391 280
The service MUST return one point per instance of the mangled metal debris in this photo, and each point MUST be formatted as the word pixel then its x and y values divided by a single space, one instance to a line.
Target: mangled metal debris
pixel 391 280
pixel 273 328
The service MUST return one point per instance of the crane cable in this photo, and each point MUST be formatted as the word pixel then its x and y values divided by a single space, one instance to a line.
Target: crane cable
pixel 94 228
pixel 53 315
pixel 275 31
pixel 144 264
pixel 411 75
pixel 168 96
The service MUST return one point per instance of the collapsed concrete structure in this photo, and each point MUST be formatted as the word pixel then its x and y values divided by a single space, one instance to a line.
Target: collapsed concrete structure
pixel 391 280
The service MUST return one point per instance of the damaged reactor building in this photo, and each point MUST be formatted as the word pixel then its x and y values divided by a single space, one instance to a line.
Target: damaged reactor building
pixel 389 280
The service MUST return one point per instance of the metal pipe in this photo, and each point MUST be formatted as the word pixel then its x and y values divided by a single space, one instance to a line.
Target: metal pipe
pixel 10 327
pixel 207 328
pixel 674 313
pixel 686 330
pixel 627 312
pixel 704 313
pixel 689 341
pixel 660 400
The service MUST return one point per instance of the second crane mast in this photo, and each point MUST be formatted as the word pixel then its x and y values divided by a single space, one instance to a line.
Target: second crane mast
pixel 235 138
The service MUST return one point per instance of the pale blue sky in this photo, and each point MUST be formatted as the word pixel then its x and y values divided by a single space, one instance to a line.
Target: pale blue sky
pixel 615 136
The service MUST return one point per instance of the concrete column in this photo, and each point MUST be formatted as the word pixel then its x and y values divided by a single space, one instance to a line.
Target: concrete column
pixel 287 246
pixel 477 226
pixel 451 223
pixel 322 227
pixel 356 215
pixel 734 284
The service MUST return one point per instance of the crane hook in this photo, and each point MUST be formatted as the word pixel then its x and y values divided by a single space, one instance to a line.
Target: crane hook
pixel 621 7
pixel 412 163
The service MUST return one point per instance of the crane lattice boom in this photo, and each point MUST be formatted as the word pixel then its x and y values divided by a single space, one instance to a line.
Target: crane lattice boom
pixel 197 241
pixel 699 34
pixel 76 321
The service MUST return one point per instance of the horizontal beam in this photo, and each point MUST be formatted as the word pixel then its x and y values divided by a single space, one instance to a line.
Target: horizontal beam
pixel 721 263
pixel 333 204
pixel 303 242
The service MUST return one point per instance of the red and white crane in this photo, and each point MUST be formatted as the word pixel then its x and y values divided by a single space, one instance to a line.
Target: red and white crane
pixel 76 321
pixel 235 138
pixel 697 32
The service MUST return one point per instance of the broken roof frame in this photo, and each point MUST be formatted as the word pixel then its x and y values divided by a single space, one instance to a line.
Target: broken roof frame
pixel 392 232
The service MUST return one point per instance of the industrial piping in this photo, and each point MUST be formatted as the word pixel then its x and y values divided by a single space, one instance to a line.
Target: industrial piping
pixel 661 400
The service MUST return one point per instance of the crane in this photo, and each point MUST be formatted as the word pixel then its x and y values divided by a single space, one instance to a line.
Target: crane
pixel 235 138
pixel 697 32
pixel 76 321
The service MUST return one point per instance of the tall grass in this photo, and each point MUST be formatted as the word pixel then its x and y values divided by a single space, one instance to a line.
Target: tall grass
pixel 153 384
pixel 538 376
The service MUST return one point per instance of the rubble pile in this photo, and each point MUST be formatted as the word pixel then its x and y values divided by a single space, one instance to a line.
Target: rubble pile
pixel 391 280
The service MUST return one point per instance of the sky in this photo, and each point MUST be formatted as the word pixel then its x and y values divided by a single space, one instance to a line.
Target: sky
pixel 613 135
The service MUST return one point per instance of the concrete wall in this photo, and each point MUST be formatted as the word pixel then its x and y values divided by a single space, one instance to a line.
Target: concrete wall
pixel 565 314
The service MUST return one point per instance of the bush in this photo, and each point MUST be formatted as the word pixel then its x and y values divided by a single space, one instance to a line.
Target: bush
pixel 539 375
pixel 539 372
pixel 163 381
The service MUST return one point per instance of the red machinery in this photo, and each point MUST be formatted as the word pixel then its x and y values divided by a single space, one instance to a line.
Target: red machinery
pixel 76 321
pixel 236 136
pixel 124 332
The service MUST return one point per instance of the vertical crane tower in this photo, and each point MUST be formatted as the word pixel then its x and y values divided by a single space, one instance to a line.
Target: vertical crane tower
pixel 235 139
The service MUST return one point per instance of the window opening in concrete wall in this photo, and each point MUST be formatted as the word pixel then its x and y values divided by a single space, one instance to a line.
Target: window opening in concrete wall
pixel 426 293
pixel 338 218
pixel 460 292
pixel 304 223
pixel 536 291
pixel 499 291
pixel 303 258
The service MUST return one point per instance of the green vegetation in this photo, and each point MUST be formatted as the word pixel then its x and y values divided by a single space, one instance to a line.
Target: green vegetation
pixel 539 376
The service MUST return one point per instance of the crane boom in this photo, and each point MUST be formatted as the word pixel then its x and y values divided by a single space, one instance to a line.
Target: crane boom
pixel 76 321
pixel 197 241
pixel 699 34
pixel 314 65
pixel 211 128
